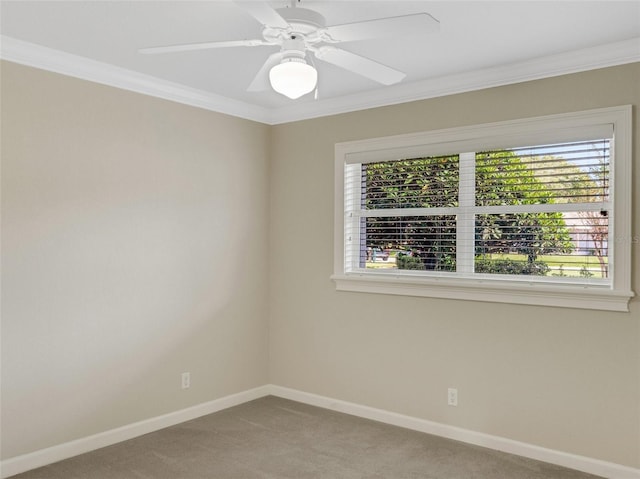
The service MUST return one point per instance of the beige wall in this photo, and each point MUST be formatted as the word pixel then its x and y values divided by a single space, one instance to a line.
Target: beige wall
pixel 134 247
pixel 563 379
pixel 141 238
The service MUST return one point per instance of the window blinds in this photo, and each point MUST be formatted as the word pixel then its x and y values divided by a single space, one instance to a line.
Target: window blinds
pixel 530 210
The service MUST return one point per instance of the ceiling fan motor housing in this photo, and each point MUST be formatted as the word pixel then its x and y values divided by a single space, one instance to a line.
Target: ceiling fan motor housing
pixel 303 24
pixel 293 48
pixel 302 20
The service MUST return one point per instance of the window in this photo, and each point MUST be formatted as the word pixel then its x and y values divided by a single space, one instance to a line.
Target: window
pixel 535 211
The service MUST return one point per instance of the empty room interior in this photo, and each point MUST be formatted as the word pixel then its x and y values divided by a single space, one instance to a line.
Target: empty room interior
pixel 437 229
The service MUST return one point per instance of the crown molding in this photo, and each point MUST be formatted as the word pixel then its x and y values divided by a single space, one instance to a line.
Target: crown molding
pixel 57 61
pixel 602 56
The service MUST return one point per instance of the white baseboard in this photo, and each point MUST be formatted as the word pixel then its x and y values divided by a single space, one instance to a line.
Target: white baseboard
pixel 18 464
pixel 572 461
pixel 26 462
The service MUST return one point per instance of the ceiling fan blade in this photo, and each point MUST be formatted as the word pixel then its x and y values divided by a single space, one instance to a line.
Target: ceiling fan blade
pixel 360 65
pixel 384 27
pixel 203 46
pixel 261 80
pixel 263 12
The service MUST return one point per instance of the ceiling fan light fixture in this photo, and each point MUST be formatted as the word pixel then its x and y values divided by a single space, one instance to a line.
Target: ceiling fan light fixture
pixel 293 77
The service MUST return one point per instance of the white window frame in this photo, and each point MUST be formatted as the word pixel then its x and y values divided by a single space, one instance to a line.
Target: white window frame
pixel 566 127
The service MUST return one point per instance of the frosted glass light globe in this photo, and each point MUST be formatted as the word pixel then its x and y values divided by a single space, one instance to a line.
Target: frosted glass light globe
pixel 293 78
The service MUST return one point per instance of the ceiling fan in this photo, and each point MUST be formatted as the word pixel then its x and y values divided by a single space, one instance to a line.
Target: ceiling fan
pixel 300 32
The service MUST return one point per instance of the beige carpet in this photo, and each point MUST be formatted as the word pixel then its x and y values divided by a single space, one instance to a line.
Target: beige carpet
pixel 272 438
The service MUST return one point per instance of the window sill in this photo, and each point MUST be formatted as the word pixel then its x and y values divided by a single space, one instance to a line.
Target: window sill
pixel 499 291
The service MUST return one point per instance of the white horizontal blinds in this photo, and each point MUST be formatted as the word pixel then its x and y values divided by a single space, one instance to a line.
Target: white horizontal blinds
pixel 444 142
pixel 411 242
pixel 352 220
pixel 544 210
pixel 414 183
pixel 540 210
pixel 408 214
pixel 572 244
pixel 562 173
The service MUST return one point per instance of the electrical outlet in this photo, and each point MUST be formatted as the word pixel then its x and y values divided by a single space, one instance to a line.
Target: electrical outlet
pixel 186 380
pixel 452 397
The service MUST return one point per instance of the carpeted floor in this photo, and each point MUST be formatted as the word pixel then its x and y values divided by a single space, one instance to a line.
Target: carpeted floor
pixel 273 438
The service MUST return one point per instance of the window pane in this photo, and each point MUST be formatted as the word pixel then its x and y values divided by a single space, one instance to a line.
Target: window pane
pixel 418 242
pixel 573 244
pixel 561 173
pixel 414 183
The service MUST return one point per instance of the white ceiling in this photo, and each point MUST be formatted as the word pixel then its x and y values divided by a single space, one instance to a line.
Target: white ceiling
pixel 480 43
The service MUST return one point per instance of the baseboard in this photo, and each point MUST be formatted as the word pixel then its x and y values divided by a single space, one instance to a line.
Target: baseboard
pixel 572 461
pixel 26 462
